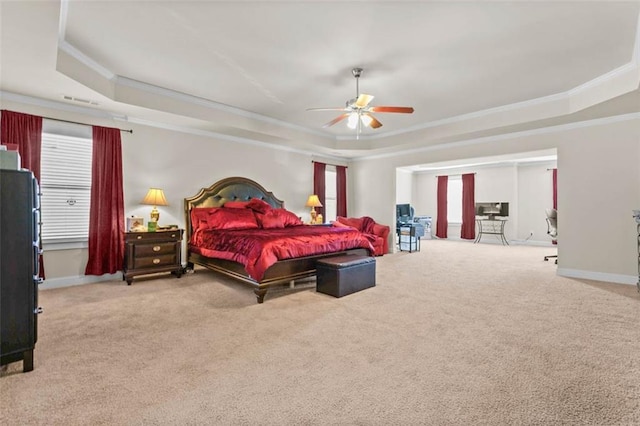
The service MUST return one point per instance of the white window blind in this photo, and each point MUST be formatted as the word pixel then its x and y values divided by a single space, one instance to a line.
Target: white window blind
pixel 65 181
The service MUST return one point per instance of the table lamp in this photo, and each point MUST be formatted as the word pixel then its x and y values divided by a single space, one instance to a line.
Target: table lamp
pixel 313 201
pixel 155 197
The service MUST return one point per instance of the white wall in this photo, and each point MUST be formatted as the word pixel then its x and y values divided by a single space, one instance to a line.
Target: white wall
pixel 597 171
pixel 404 187
pixel 526 187
pixel 599 178
pixel 535 195
pixel 597 164
pixel 181 164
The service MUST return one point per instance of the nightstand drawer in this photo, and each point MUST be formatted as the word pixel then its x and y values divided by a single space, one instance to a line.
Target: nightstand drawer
pixel 154 261
pixel 154 249
pixel 144 237
pixel 152 252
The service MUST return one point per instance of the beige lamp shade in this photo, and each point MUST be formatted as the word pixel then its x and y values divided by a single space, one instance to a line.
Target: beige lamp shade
pixel 313 201
pixel 155 197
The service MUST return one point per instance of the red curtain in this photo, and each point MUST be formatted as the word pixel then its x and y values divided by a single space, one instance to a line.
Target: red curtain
pixel 555 189
pixel 319 184
pixel 468 229
pixel 441 223
pixel 341 191
pixel 106 216
pixel 24 130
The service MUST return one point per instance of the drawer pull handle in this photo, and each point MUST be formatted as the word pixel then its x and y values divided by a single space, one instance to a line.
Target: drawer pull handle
pixel 173 235
pixel 156 261
pixel 139 237
pixel 156 248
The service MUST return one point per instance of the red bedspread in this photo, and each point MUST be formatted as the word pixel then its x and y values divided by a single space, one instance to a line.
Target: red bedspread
pixel 258 249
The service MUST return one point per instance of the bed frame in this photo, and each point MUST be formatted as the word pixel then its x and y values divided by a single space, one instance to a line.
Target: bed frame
pixel 243 189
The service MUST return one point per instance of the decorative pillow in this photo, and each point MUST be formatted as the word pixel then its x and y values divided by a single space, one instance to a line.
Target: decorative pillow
pixel 232 219
pixel 200 217
pixel 259 205
pixel 236 204
pixel 278 218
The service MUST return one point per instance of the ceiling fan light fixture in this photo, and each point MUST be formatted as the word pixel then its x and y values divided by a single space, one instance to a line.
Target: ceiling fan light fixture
pixel 366 119
pixel 352 122
pixel 357 110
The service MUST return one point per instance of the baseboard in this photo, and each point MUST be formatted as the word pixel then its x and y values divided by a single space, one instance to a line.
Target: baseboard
pixel 598 276
pixel 78 280
pixel 563 272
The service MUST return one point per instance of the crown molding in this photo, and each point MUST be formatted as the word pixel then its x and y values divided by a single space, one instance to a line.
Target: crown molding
pixel 505 136
pixel 196 100
pixel 255 142
pixel 604 87
pixel 60 106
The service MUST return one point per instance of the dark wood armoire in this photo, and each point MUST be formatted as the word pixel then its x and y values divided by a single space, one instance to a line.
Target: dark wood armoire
pixel 19 266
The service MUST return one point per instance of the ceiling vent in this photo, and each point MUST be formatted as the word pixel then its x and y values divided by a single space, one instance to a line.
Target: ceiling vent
pixel 79 100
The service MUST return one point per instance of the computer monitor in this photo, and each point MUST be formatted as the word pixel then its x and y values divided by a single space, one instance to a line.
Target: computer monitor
pixel 403 210
pixel 492 209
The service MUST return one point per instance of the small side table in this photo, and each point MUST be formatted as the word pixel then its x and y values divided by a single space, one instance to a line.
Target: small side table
pixel 407 238
pixel 152 252
pixel 491 227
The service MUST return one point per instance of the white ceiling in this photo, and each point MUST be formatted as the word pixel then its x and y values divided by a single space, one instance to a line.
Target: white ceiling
pixel 248 70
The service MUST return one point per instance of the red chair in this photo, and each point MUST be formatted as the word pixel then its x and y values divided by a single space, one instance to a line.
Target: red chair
pixel 378 234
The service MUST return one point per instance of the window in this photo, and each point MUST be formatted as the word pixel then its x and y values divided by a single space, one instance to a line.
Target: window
pixel 65 182
pixel 454 199
pixel 331 194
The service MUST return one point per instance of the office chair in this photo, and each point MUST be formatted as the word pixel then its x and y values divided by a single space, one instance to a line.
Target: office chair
pixel 552 228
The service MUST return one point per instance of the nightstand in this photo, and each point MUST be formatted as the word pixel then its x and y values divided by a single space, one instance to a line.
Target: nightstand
pixel 152 252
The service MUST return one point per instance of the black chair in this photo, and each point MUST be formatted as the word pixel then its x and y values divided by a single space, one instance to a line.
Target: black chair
pixel 552 229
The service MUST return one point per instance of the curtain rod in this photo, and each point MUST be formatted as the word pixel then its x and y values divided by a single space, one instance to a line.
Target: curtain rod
pixel 328 164
pixel 459 174
pixel 84 124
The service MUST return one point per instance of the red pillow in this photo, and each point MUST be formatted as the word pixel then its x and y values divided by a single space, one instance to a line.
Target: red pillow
pixel 232 219
pixel 236 204
pixel 200 216
pixel 278 218
pixel 259 205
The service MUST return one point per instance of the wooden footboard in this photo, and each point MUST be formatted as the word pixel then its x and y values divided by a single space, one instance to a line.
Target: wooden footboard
pixel 281 272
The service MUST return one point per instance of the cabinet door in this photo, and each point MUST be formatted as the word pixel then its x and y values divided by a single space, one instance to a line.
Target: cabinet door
pixel 17 285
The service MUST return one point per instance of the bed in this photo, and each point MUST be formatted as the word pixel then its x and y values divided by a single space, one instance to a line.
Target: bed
pixel 277 249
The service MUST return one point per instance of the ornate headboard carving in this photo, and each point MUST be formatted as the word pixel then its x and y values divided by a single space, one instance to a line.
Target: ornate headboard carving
pixel 229 189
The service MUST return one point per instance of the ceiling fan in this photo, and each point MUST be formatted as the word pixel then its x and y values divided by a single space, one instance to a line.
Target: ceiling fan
pixel 358 111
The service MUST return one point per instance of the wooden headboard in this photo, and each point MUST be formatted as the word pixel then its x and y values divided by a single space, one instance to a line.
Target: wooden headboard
pixel 229 189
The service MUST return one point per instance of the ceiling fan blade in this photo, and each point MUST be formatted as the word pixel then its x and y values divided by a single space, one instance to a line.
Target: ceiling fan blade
pixel 374 124
pixel 327 109
pixel 363 100
pixel 402 110
pixel 336 120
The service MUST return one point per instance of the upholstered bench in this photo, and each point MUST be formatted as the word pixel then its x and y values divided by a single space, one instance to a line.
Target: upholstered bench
pixel 342 275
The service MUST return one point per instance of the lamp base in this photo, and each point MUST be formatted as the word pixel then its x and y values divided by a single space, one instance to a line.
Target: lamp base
pixel 155 215
pixel 313 214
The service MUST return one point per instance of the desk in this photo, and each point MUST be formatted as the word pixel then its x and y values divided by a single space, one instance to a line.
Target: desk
pixel 491 227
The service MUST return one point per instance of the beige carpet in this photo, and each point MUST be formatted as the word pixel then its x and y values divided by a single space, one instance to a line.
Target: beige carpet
pixel 457 334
